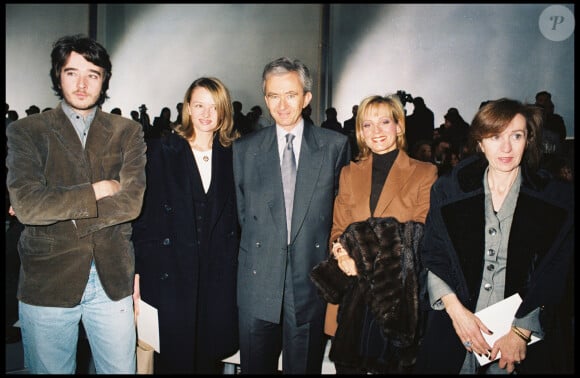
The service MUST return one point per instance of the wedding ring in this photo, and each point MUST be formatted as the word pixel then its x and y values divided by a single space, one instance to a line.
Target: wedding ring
pixel 467 344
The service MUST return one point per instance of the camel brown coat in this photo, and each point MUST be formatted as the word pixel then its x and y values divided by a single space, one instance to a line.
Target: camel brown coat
pixel 405 196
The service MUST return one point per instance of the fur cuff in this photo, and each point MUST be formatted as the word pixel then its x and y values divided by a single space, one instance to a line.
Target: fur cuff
pixel 330 281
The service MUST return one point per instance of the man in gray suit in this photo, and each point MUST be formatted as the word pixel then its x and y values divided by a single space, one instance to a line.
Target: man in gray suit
pixel 279 307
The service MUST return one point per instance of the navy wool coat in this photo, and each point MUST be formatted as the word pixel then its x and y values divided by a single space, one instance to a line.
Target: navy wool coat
pixel 540 246
pixel 186 247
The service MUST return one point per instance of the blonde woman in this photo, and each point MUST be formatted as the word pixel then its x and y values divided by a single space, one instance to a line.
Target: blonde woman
pixel 383 182
pixel 186 239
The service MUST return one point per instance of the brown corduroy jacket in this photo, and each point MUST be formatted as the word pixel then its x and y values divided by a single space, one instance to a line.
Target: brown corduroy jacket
pixel 49 180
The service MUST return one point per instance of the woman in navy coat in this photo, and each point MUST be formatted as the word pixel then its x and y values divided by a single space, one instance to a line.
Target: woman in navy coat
pixel 186 238
pixel 498 226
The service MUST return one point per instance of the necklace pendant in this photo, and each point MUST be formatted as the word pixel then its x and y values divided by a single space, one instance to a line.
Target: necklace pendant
pixel 206 158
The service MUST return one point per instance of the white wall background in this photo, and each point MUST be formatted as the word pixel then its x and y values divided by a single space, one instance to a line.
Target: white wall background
pixel 158 50
pixel 31 29
pixel 452 55
pixel 184 42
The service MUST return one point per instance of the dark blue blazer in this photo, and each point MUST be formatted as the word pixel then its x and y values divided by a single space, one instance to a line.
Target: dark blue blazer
pixel 186 246
pixel 541 243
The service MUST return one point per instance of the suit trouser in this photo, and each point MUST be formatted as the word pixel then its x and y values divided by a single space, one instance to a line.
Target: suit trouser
pixel 261 341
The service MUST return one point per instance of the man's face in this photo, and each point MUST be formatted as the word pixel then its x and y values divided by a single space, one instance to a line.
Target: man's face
pixel 285 98
pixel 81 82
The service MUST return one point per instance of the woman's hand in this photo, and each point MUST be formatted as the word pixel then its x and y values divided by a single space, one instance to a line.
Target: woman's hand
pixel 468 326
pixel 345 262
pixel 513 349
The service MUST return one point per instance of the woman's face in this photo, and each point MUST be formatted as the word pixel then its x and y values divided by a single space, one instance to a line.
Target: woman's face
pixel 379 129
pixel 203 111
pixel 504 151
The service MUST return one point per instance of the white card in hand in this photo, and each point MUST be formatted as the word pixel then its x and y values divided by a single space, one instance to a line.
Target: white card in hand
pixel 498 318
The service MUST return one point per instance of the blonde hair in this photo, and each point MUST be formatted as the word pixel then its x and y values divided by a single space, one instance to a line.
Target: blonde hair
pixel 397 112
pixel 221 96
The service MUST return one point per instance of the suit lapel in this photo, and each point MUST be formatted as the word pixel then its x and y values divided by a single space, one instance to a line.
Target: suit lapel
pixel 309 165
pixel 361 176
pixel 400 173
pixel 267 160
pixel 65 133
pixel 220 182
pixel 99 136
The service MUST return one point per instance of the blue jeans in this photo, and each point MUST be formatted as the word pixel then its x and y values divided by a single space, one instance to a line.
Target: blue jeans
pixel 50 334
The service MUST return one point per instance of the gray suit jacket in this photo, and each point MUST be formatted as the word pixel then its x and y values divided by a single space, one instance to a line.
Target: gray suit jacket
pixel 50 179
pixel 263 247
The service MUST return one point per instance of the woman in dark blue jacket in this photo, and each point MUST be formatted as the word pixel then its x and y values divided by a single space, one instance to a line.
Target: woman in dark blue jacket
pixel 186 238
pixel 497 226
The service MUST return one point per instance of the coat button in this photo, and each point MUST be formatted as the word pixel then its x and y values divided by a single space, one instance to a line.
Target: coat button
pixel 167 208
pixel 490 267
pixel 317 245
pixel 490 252
pixel 258 244
pixel 166 241
pixel 492 231
pixel 487 286
pixel 164 276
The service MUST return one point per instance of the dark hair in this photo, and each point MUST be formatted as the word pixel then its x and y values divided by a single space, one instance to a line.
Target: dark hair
pixel 494 117
pixel 257 109
pixel 90 49
pixel 331 113
pixel 544 93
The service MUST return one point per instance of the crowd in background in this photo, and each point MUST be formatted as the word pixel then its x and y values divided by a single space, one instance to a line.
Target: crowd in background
pixel 443 146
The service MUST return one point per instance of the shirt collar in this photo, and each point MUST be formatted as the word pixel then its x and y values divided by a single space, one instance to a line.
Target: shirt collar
pixel 298 130
pixel 71 114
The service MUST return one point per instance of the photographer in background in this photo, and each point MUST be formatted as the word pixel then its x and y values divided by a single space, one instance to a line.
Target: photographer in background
pixel 420 123
pixel 454 129
pixel 404 97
